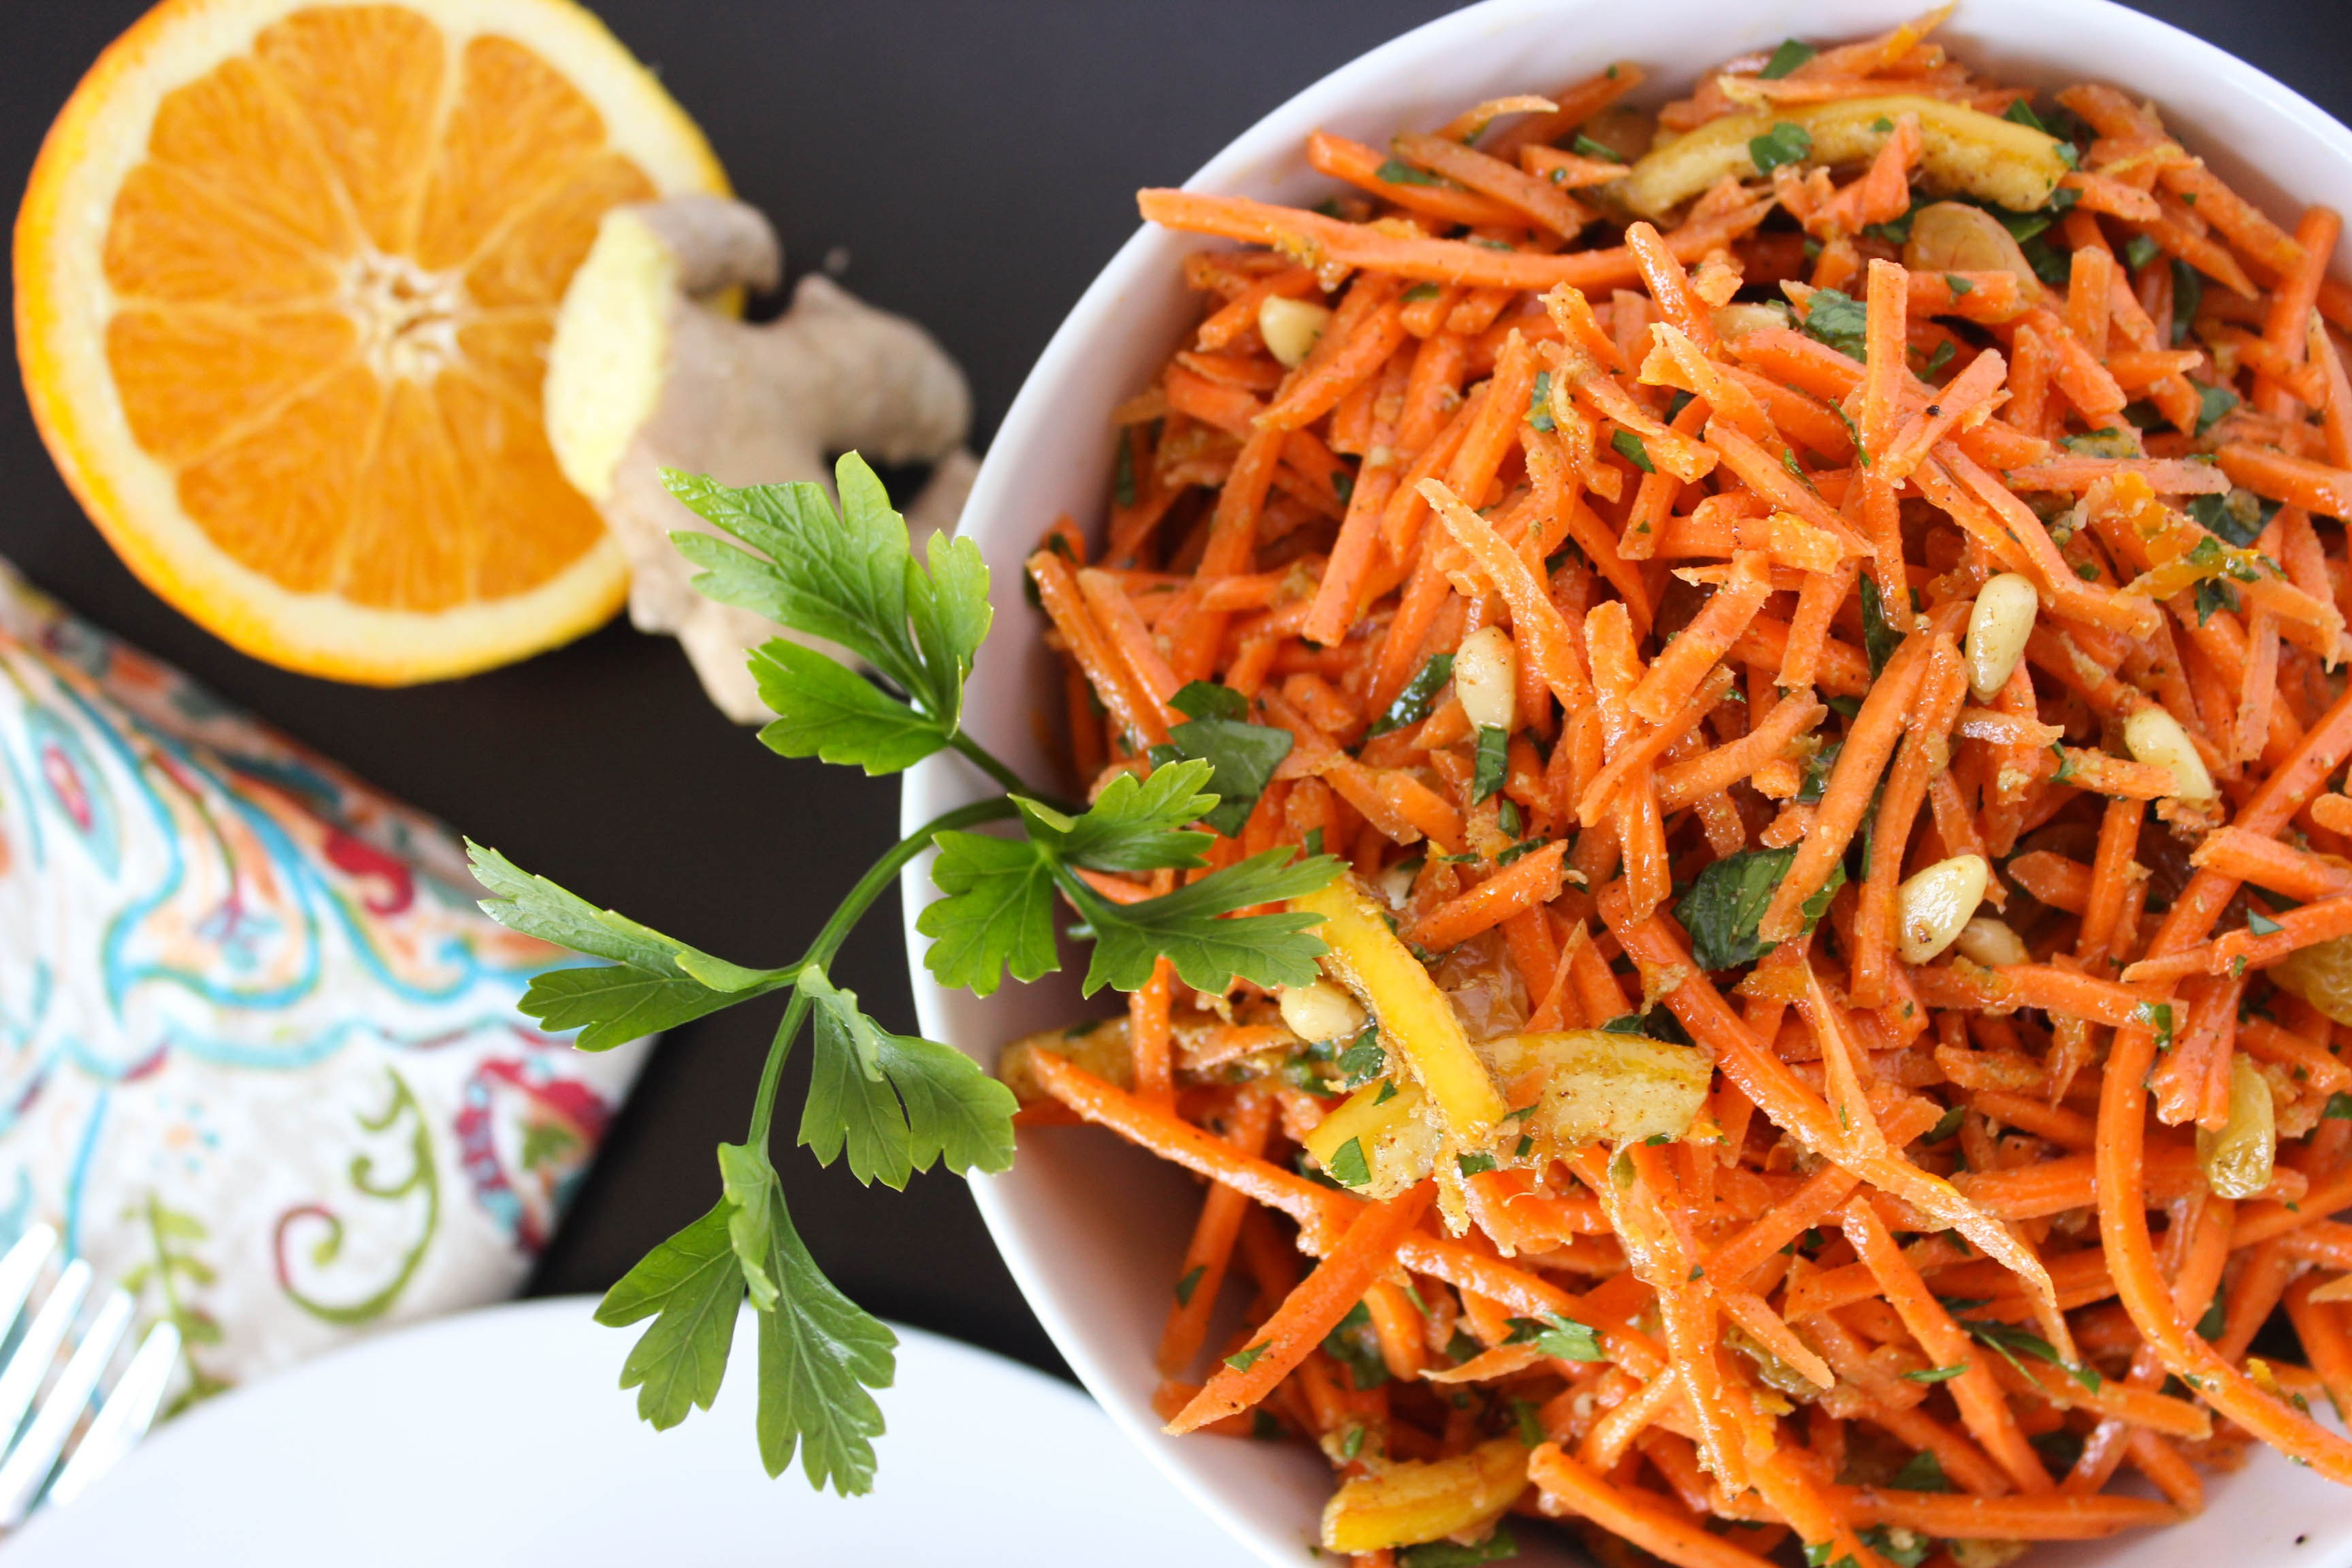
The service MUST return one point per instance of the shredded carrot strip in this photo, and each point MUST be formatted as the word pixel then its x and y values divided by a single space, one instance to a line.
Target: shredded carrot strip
pixel 1650 1523
pixel 1360 165
pixel 1365 1249
pixel 1868 745
pixel 1211 1246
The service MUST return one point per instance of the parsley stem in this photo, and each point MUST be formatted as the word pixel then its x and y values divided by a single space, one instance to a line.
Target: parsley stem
pixel 985 761
pixel 763 1109
pixel 844 920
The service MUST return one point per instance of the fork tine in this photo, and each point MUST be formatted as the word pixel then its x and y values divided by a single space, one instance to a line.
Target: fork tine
pixel 38 1349
pixel 29 1463
pixel 124 1418
pixel 19 1268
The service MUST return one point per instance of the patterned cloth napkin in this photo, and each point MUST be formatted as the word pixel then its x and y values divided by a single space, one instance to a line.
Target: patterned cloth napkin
pixel 259 1055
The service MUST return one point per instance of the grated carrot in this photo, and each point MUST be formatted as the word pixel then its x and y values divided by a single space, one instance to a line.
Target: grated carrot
pixel 1737 557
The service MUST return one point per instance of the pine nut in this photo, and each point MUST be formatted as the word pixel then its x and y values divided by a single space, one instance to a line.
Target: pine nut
pixel 1486 677
pixel 2237 1159
pixel 1321 1010
pixel 1738 320
pixel 1990 942
pixel 1290 328
pixel 2153 735
pixel 1932 907
pixel 1997 628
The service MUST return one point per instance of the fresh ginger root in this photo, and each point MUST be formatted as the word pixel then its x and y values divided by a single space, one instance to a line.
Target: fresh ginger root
pixel 650 369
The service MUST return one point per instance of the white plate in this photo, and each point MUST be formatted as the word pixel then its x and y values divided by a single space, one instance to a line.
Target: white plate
pixel 499 1437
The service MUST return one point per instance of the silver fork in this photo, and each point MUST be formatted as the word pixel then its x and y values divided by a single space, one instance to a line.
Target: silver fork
pixel 57 1404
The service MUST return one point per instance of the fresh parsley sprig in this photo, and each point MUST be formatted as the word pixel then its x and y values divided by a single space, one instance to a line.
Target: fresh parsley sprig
pixel 891 1104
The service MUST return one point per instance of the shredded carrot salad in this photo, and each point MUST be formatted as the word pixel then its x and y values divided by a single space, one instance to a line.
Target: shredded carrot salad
pixel 1813 616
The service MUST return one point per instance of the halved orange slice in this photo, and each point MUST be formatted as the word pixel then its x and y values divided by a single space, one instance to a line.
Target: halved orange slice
pixel 286 274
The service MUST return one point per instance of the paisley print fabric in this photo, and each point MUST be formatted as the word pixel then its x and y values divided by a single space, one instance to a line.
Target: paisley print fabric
pixel 259 1055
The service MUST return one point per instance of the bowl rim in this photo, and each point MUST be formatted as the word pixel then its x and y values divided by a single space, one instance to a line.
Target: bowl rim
pixel 945 780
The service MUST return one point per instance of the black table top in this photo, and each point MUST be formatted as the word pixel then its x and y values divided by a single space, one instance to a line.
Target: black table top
pixel 975 160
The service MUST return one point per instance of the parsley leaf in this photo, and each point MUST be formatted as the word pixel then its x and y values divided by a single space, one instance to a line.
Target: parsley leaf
pixel 1903 1548
pixel 2213 594
pixel 2138 251
pixel 1348 1167
pixel 1785 142
pixel 1364 1060
pixel 1729 898
pixel 1936 1374
pixel 1354 1343
pixel 1557 1336
pixel 1629 445
pixel 2262 924
pixel 651 982
pixel 1839 319
pixel 1122 486
pixel 2238 517
pixel 1137 825
pixel 2009 1342
pixel 998 907
pixel 1497 1548
pixel 1792 53
pixel 820 1356
pixel 2049 263
pixel 828 711
pixel 1880 639
pixel 2212 402
pixel 996 915
pixel 1412 704
pixel 2338 1108
pixel 1922 1472
pixel 898 1103
pixel 1818 767
pixel 1397 172
pixel 1586 147
pixel 1494 764
pixel 1187 927
pixel 1243 754
pixel 2061 1449
pixel 2188 292
pixel 849 576
pixel 1539 402
pixel 1208 699
pixel 1893 231
pixel 692 1287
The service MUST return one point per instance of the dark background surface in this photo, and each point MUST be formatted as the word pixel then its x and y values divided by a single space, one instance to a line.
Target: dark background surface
pixel 976 161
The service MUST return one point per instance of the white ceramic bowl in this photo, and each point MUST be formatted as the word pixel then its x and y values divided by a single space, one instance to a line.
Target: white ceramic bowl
pixel 1093 1229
